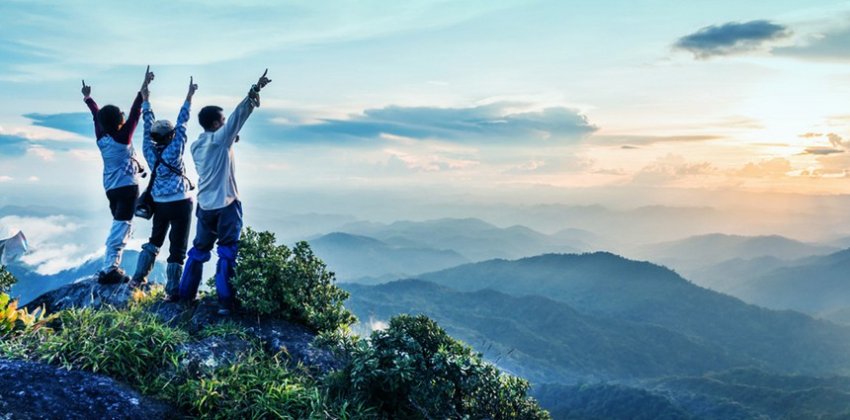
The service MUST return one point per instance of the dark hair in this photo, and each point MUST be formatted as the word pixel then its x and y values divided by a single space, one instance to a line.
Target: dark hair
pixel 110 118
pixel 162 139
pixel 209 115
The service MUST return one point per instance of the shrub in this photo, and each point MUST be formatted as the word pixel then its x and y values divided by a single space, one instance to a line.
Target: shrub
pixel 6 280
pixel 414 369
pixel 130 345
pixel 292 284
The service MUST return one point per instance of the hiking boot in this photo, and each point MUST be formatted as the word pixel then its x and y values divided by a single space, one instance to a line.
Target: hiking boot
pixel 173 272
pixel 226 308
pixel 171 299
pixel 135 284
pixel 144 265
pixel 115 275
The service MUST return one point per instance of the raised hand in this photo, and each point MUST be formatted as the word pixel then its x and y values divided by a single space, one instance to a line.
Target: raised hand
pixel 192 88
pixel 149 76
pixel 263 81
pixel 86 90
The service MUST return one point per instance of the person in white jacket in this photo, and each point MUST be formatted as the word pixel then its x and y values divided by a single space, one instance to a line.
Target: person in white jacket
pixel 121 172
pixel 219 210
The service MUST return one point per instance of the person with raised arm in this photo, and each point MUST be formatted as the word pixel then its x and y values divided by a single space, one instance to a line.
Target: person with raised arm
pixel 163 147
pixel 120 174
pixel 219 211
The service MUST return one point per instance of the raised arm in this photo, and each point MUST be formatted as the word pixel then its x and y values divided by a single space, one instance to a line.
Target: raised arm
pixel 125 134
pixel 179 141
pixel 227 134
pixel 98 131
pixel 183 116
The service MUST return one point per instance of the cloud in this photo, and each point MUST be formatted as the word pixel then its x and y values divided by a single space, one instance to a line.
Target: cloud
pixel 633 141
pixel 731 38
pixel 13 146
pixel 836 144
pixel 671 167
pixel 766 168
pixel 824 46
pixel 74 122
pixel 493 123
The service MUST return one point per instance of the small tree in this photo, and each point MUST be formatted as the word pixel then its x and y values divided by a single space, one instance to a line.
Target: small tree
pixel 414 369
pixel 293 284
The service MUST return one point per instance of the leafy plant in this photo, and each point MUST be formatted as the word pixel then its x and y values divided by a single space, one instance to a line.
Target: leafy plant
pixel 13 319
pixel 413 369
pixel 6 280
pixel 293 284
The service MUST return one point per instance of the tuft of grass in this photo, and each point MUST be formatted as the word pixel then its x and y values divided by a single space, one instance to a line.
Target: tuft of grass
pixel 258 387
pixel 223 329
pixel 129 345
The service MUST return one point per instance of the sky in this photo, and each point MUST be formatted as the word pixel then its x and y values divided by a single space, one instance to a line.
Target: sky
pixel 513 98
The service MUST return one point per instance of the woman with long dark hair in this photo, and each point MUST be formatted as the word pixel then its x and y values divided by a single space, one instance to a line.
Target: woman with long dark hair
pixel 120 174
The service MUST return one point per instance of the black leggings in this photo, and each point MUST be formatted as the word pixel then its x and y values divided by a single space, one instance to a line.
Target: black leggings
pixel 122 202
pixel 178 216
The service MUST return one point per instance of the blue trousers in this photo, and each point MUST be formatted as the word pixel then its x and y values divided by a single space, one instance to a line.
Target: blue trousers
pixel 223 228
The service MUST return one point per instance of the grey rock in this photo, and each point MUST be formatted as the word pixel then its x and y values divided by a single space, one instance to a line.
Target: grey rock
pixel 86 293
pixel 30 390
pixel 212 352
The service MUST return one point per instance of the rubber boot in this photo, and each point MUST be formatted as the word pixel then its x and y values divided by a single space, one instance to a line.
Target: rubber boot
pixel 225 269
pixel 172 286
pixel 144 264
pixel 192 274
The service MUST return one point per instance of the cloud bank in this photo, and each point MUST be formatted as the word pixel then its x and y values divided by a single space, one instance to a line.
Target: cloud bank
pixel 493 123
pixel 731 38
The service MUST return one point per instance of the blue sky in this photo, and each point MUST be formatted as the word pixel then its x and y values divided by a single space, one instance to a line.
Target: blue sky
pixel 446 95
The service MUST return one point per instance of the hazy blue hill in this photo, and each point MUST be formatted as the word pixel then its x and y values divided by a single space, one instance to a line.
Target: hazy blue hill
pixel 32 284
pixel 473 238
pixel 771 395
pixel 607 401
pixel 818 285
pixel 542 339
pixel 726 276
pixel 608 285
pixel 354 257
pixel 704 250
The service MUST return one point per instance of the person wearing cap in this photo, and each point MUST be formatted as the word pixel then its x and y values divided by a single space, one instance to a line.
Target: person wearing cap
pixel 120 175
pixel 164 144
pixel 219 210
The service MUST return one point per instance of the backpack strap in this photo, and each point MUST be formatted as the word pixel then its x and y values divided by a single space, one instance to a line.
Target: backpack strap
pixel 176 171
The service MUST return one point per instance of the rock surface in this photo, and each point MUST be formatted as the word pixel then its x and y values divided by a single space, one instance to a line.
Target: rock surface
pixel 30 390
pixel 276 335
pixel 86 293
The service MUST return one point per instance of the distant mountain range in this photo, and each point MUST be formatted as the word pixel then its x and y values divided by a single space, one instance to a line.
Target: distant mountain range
pixel 818 285
pixel 368 260
pixel 475 239
pixel 542 339
pixel 701 251
pixel 607 285
pixel 366 252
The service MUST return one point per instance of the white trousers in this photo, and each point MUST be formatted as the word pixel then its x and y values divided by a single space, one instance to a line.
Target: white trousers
pixel 119 234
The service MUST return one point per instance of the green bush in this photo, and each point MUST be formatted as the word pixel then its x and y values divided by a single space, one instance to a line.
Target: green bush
pixel 292 284
pixel 130 345
pixel 415 370
pixel 6 280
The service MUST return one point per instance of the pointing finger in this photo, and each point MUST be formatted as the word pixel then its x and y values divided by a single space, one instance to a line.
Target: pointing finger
pixel 265 73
